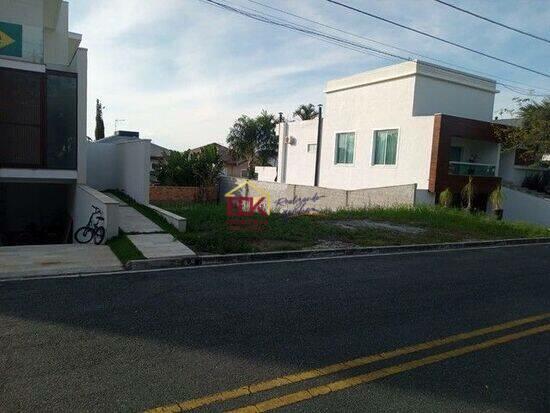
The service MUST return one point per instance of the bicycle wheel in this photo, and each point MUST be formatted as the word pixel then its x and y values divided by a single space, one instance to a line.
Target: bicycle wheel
pixel 83 235
pixel 99 235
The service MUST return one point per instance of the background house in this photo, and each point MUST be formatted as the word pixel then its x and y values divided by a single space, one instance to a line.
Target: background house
pixel 412 122
pixel 232 166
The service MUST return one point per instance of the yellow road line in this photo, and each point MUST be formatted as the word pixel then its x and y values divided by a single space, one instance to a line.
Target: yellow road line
pixel 333 368
pixel 335 386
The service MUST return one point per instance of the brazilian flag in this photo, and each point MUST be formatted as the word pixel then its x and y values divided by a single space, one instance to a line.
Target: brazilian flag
pixel 11 39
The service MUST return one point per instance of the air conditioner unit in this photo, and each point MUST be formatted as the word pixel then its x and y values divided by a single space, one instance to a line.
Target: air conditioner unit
pixel 290 140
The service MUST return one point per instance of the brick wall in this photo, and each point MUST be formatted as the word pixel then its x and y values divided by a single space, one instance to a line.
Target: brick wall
pixel 185 194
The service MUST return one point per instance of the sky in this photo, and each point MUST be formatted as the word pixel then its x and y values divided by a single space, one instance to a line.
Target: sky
pixel 182 71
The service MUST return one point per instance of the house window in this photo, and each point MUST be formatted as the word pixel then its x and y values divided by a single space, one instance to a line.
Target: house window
pixel 345 147
pixel 61 115
pixel 385 147
pixel 21 106
pixel 456 154
pixel 244 173
pixel 312 148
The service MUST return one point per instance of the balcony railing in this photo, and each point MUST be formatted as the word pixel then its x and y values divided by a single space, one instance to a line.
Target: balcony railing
pixel 473 169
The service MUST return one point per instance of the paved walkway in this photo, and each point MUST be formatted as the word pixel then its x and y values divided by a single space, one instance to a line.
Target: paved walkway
pixel 33 260
pixel 160 245
pixel 148 237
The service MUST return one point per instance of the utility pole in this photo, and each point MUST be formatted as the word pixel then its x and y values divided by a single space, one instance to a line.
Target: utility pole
pixel 318 152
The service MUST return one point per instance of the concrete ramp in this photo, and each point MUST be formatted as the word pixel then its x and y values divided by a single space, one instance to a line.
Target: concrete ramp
pixel 523 205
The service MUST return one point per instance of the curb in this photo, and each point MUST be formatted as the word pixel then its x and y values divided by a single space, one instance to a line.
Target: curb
pixel 159 263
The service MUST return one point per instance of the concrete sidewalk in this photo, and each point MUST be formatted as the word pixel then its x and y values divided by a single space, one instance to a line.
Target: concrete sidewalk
pixel 34 260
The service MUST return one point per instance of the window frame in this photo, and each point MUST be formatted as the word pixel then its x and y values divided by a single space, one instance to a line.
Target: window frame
pixel 336 163
pixel 373 148
pixel 311 144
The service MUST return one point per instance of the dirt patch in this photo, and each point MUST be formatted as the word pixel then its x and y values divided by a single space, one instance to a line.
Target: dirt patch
pixel 367 223
pixel 332 244
pixel 276 245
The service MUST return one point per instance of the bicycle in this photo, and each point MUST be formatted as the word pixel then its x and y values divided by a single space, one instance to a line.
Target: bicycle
pixel 92 230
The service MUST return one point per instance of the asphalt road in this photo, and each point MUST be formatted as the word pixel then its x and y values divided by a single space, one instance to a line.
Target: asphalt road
pixel 139 341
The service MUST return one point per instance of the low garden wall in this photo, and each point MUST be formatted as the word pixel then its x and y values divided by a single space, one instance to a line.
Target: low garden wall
pixel 288 198
pixel 185 194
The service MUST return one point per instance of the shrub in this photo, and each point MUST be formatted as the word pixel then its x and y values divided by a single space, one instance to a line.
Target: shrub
pixel 496 198
pixel 446 198
pixel 468 193
pixel 191 169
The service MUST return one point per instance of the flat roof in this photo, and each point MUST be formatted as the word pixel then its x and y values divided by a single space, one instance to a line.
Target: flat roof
pixel 411 68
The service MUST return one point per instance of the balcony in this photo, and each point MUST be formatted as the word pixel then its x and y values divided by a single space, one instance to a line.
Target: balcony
pixel 471 169
pixel 463 147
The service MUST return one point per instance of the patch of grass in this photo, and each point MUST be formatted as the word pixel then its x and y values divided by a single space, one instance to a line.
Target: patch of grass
pixel 455 222
pixel 123 248
pixel 207 230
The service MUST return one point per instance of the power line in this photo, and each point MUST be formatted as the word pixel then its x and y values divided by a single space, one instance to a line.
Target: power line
pixel 534 36
pixel 303 29
pixel 392 46
pixel 308 31
pixel 438 38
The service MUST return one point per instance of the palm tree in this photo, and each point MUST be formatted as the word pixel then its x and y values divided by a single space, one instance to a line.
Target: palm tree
pixel 306 112
pixel 253 140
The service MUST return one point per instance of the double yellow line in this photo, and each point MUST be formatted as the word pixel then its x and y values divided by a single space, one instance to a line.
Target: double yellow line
pixel 316 391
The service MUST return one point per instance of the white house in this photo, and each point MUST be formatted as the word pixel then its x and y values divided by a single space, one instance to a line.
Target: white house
pixel 43 80
pixel 412 122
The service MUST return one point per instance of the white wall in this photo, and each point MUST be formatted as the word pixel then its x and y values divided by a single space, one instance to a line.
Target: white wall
pixel 440 96
pixel 56 41
pixel 125 166
pixel 385 105
pixel 522 206
pixel 134 168
pixel 514 174
pixel 84 198
pixel 300 165
pixel 101 166
pixel 266 173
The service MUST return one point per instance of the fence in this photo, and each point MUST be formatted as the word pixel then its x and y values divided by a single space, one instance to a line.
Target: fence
pixel 183 194
pixel 285 197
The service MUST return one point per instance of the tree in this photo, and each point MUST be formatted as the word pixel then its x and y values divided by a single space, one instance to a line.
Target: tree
pixel 253 140
pixel 177 169
pixel 207 167
pixel 268 144
pixel 532 134
pixel 191 169
pixel 306 112
pixel 99 125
